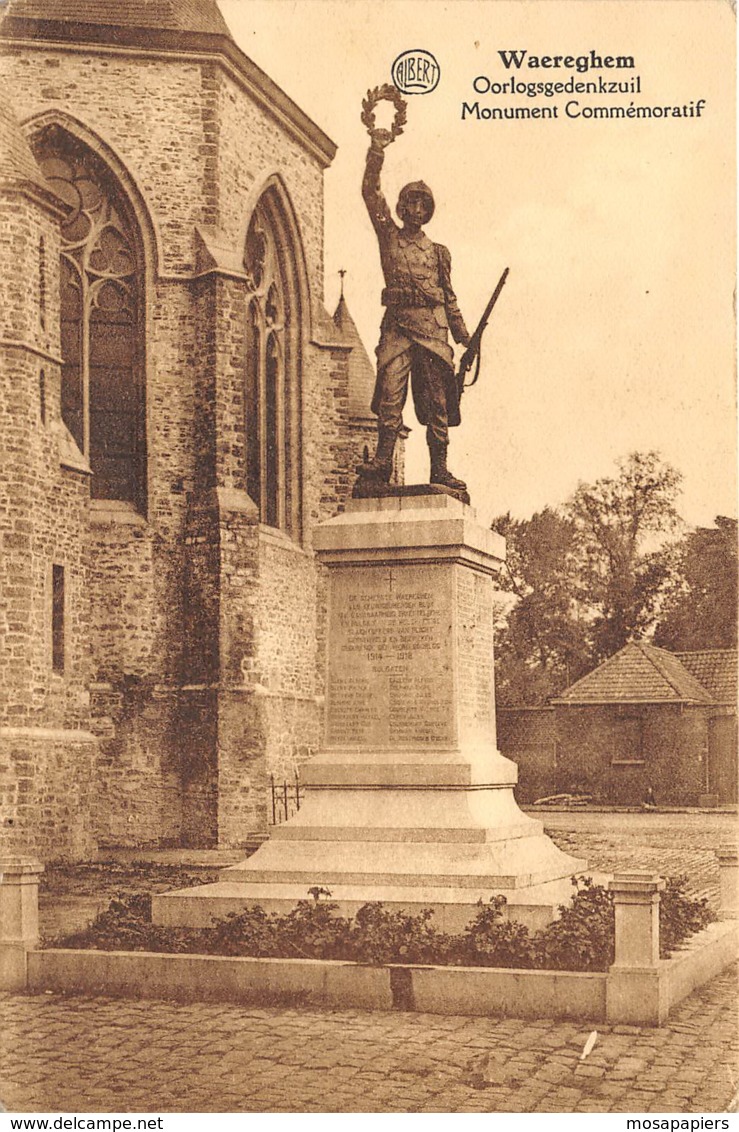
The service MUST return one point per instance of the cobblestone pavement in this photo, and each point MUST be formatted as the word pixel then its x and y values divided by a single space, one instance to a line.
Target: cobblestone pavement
pixel 103 1055
pixel 666 843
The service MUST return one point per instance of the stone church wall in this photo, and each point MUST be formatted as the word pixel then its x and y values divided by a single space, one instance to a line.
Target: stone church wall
pixel 252 147
pixel 203 631
pixel 150 112
pixel 46 752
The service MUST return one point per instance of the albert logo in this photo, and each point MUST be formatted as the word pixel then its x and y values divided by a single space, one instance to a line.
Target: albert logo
pixel 415 72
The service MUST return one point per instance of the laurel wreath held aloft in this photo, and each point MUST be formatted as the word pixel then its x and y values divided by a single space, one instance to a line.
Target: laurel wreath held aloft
pixel 386 92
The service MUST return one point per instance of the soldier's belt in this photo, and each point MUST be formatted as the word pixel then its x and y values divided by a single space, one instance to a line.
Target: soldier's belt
pixel 408 297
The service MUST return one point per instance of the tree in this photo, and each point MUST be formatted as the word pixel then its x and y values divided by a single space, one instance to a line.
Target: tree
pixel 585 579
pixel 700 610
pixel 613 518
pixel 542 643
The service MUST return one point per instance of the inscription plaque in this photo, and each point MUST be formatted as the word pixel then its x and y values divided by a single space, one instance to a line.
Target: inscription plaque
pixel 390 677
pixel 476 697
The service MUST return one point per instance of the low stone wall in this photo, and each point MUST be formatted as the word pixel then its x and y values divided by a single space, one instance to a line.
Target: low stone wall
pixel 210 978
pixel 700 959
pixel 521 994
pixel 431 990
pixel 639 988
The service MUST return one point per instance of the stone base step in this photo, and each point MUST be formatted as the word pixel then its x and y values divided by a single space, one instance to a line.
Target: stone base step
pixel 512 862
pixel 453 907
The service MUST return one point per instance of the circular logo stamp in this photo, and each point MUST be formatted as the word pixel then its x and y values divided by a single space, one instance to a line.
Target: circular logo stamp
pixel 415 72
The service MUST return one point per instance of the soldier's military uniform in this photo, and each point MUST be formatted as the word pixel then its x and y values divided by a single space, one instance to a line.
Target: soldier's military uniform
pixel 420 309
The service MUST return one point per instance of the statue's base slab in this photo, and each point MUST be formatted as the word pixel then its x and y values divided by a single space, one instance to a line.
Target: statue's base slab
pixel 453 908
pixel 366 488
pixel 408 802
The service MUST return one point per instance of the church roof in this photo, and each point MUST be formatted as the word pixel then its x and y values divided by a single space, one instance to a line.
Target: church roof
pixel 639 673
pixel 174 15
pixel 361 370
pixel 17 162
pixel 716 670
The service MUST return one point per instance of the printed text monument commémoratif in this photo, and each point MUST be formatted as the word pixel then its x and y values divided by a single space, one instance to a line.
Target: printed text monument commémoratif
pixel 573 108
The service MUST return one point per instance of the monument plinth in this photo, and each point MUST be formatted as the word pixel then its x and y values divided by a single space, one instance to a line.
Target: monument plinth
pixel 408 802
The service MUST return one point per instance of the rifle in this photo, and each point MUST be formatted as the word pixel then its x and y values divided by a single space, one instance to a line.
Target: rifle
pixel 472 353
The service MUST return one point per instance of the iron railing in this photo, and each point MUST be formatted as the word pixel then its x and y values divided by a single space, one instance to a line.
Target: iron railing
pixel 285 798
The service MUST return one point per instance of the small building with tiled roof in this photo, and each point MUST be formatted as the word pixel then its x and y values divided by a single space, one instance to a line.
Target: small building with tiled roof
pixel 643 718
pixel 639 673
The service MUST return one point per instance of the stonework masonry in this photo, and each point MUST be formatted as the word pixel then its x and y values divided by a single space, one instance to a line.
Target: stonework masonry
pixel 193 661
pixel 614 752
pixel 46 750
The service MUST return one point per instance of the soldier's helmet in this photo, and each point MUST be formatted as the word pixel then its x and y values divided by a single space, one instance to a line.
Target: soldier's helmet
pixel 416 188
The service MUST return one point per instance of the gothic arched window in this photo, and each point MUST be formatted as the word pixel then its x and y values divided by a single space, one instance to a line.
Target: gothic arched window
pixel 272 402
pixel 102 311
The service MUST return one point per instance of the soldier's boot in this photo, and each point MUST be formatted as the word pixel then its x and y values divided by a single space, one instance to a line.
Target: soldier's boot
pixel 439 472
pixel 380 467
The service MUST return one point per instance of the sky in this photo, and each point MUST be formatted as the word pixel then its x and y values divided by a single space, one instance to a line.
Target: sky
pixel 615 331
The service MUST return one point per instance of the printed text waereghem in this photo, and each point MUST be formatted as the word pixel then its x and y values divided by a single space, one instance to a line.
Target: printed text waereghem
pixel 574 108
pixel 581 63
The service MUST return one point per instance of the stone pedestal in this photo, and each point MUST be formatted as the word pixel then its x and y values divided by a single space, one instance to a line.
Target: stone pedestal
pixel 19 879
pixel 728 860
pixel 409 801
pixel 635 993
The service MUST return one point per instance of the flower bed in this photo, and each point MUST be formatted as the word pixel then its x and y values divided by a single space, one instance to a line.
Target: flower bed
pixel 581 939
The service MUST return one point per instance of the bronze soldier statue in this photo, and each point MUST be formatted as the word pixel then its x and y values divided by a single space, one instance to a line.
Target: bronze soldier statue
pixel 420 308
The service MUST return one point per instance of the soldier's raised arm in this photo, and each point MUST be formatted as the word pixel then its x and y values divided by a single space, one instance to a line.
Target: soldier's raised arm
pixel 372 194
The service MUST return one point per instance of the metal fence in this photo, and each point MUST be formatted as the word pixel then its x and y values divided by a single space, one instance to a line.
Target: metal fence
pixel 285 799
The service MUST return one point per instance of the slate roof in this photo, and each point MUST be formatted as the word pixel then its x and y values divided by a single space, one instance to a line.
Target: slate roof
pixel 639 673
pixel 17 162
pixel 716 670
pixel 174 15
pixel 361 370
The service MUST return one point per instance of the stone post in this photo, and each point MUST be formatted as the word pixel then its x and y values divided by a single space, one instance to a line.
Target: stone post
pixel 728 862
pixel 18 918
pixel 636 905
pixel 636 993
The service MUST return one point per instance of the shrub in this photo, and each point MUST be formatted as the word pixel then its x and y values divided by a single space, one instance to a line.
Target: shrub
pixel 312 931
pixel 251 932
pixel 126 926
pixel 489 941
pixel 378 936
pixel 679 915
pixel 580 939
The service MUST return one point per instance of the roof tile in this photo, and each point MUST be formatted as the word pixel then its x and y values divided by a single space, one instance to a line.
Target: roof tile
pixel 716 670
pixel 17 162
pixel 639 673
pixel 173 15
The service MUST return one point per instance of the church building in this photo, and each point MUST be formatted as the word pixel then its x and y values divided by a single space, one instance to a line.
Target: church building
pixel 177 413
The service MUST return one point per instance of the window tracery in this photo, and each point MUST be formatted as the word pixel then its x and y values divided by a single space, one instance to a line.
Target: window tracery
pixel 101 317
pixel 272 402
